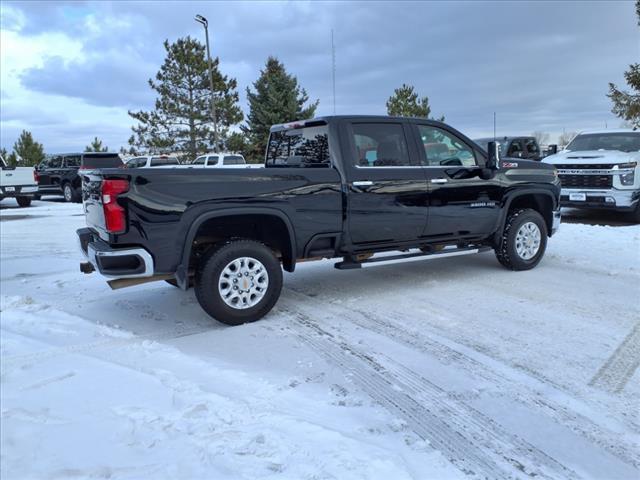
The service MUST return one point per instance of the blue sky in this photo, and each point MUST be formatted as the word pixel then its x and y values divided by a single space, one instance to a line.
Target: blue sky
pixel 70 71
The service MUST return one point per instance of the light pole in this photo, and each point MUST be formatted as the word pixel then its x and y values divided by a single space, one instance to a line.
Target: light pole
pixel 200 19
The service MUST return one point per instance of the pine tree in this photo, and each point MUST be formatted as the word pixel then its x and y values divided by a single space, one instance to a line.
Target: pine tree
pixel 181 120
pixel 405 103
pixel 28 151
pixel 626 104
pixel 237 143
pixel 96 146
pixel 277 98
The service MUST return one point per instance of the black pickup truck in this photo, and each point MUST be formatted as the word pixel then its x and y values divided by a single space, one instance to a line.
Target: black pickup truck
pixel 371 190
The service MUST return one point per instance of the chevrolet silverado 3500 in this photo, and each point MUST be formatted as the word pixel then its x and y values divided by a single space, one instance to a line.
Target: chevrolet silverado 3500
pixel 352 187
pixel 601 170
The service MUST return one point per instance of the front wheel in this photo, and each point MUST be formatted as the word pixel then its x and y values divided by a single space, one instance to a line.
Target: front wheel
pixel 238 281
pixel 635 215
pixel 524 240
pixel 23 201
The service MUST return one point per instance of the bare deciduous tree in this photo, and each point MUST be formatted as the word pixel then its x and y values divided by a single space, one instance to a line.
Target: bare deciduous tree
pixel 541 137
pixel 565 138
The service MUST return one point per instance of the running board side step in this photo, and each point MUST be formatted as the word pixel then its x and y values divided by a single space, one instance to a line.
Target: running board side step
pixel 349 264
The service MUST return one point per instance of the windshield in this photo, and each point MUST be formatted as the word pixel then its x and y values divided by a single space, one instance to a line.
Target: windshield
pixel 623 141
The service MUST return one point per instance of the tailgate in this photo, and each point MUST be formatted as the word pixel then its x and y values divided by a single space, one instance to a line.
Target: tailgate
pixel 20 176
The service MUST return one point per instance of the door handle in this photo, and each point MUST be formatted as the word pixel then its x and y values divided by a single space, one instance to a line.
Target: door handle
pixel 439 180
pixel 362 183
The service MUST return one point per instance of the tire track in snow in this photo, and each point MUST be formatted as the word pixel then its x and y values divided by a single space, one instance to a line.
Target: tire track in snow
pixel 509 383
pixel 614 375
pixel 475 444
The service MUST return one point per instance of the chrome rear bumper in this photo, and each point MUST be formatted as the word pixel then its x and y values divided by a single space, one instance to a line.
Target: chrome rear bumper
pixel 115 263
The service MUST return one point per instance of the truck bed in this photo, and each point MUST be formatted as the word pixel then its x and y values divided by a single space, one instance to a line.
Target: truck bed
pixel 162 205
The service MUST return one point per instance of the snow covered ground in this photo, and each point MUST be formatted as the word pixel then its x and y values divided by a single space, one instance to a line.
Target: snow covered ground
pixel 448 368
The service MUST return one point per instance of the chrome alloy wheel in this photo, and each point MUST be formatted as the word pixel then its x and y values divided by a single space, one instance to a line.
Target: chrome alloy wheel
pixel 68 193
pixel 528 240
pixel 243 283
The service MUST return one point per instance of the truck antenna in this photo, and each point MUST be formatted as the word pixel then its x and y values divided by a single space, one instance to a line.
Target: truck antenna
pixel 494 126
pixel 333 71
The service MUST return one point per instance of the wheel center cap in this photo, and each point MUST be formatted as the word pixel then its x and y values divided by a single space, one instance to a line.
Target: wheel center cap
pixel 245 284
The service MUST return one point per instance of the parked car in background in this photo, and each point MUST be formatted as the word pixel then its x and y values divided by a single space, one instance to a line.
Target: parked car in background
pixel 601 169
pixel 150 161
pixel 515 147
pixel 58 174
pixel 17 182
pixel 220 160
pixel 342 186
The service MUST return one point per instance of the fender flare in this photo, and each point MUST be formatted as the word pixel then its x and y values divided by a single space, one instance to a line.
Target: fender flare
pixel 183 266
pixel 555 204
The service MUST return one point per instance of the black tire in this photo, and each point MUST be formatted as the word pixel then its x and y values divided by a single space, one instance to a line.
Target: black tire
pixel 211 268
pixel 70 194
pixel 635 215
pixel 507 252
pixel 23 201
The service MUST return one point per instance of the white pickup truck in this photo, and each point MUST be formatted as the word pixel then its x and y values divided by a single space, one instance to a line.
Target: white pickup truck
pixel 601 169
pixel 17 182
pixel 220 160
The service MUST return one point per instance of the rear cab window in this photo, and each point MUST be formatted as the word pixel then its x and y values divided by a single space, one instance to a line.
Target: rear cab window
pixel 381 145
pixel 233 160
pixel 102 160
pixel 299 147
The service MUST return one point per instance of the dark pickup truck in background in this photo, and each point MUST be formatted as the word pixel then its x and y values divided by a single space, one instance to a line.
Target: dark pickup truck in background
pixel 515 147
pixel 356 187
pixel 59 174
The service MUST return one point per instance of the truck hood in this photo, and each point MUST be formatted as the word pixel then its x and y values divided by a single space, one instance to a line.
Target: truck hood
pixel 592 157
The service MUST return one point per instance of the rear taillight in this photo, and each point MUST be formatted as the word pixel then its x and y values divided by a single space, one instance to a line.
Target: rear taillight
pixel 36 176
pixel 114 214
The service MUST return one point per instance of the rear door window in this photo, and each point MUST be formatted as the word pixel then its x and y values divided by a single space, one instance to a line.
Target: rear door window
pixel 55 162
pixel 72 161
pixel 381 145
pixel 163 161
pixel 300 147
pixel 233 160
pixel 95 160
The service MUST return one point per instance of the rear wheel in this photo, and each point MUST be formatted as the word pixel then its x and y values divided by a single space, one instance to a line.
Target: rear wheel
pixel 70 194
pixel 238 282
pixel 23 201
pixel 523 241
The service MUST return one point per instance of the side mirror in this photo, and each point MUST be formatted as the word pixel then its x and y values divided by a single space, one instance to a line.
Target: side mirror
pixel 553 149
pixel 493 159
